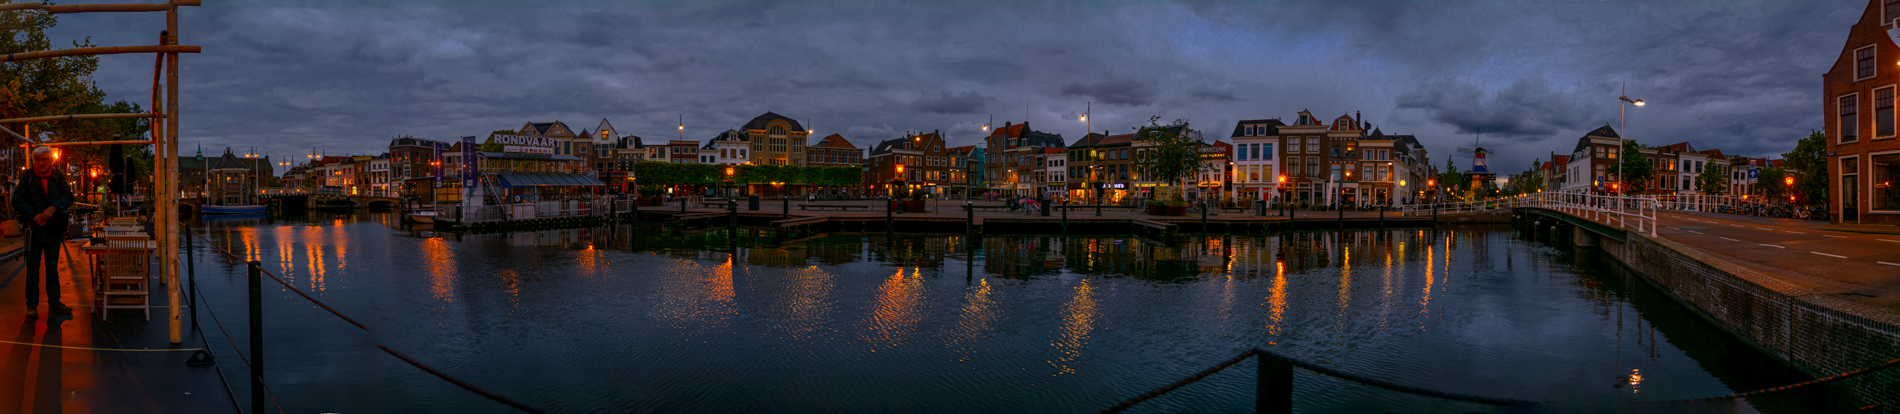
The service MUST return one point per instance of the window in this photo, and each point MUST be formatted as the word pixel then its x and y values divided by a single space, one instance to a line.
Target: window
pixel 1242 154
pixel 1886 168
pixel 776 130
pixel 1312 166
pixel 1883 112
pixel 1850 119
pixel 1864 63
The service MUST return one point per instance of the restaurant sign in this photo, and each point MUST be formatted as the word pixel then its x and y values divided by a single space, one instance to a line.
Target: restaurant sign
pixel 527 144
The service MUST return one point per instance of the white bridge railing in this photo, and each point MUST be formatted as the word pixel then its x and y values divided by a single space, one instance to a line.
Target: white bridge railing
pixel 1699 202
pixel 1623 212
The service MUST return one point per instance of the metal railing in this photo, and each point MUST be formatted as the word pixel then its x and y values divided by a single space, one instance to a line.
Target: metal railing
pixel 1698 202
pixel 1622 212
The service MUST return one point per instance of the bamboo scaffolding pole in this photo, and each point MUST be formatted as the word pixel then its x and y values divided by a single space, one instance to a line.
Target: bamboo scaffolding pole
pixel 80 143
pixel 170 200
pixel 75 117
pixel 102 50
pixel 95 8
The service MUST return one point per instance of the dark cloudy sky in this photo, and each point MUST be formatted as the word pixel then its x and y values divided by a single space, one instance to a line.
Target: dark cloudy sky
pixel 344 77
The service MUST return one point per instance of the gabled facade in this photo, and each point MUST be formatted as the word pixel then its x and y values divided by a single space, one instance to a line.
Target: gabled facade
pixel 1256 158
pixel 1590 161
pixel 834 151
pixel 917 162
pixel 776 140
pixel 1857 95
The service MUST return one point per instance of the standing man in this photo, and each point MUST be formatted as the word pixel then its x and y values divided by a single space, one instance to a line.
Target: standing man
pixel 41 199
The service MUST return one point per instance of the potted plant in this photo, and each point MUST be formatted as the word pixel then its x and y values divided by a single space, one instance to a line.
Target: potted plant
pixel 915 204
pixel 650 195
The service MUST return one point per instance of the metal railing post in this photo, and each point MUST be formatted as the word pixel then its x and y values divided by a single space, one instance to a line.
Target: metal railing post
pixel 256 281
pixel 1273 390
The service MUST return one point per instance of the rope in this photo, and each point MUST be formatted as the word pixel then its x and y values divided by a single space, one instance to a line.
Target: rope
pixel 392 352
pixel 464 385
pixel 1841 376
pixel 1178 384
pixel 100 349
pixel 240 355
pixel 1315 368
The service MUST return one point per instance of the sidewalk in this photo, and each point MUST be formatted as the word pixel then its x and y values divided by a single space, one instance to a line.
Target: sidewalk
pixel 73 363
pixel 1798 224
pixel 954 209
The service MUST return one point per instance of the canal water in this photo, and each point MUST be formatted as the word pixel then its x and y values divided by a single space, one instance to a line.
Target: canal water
pixel 614 319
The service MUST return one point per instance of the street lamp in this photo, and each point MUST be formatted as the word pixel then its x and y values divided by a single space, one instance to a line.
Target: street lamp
pixel 1622 122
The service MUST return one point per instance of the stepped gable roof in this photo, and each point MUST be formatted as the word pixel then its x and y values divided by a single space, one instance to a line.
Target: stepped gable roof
pixel 760 121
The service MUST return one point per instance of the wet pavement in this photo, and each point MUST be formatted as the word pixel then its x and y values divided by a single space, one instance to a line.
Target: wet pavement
pixel 79 364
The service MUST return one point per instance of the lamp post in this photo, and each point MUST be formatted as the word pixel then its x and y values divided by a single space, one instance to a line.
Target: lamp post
pixel 1622 111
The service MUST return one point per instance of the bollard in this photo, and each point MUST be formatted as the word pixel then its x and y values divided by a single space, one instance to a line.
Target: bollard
pixel 1203 217
pixel 1065 218
pixel 732 220
pixel 969 219
pixel 787 209
pixel 1382 218
pixel 682 205
pixel 257 336
pixel 1342 215
pixel 887 213
pixel 1273 391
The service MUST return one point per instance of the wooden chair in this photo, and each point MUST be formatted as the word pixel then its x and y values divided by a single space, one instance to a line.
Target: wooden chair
pixel 121 272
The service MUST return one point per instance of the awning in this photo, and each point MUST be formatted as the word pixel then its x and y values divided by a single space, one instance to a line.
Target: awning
pixel 537 180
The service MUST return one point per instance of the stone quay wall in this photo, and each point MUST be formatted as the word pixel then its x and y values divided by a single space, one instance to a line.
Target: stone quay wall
pixel 1817 333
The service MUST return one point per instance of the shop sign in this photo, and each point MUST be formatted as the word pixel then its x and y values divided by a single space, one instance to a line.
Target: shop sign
pixel 526 144
pixel 1114 186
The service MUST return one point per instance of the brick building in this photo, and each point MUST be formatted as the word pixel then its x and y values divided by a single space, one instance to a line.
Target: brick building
pixel 1857 102
pixel 924 162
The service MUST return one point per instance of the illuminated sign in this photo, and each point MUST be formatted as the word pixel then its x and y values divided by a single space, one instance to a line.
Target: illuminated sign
pixel 527 144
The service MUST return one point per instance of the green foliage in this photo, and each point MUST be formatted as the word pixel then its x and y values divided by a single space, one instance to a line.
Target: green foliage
pixel 41 87
pixel 505 132
pixel 1769 181
pixel 656 173
pixel 490 146
pixel 1713 179
pixel 1452 183
pixel 1530 181
pixel 1635 170
pixel 1173 156
pixel 1808 163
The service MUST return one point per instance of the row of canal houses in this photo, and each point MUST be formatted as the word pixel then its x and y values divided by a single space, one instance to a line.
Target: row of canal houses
pixel 1306 160
pixel 1588 168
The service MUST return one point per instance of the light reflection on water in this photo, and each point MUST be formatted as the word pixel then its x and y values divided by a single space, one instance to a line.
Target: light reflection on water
pixel 582 320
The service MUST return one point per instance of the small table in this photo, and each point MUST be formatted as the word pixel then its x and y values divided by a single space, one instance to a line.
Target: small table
pixel 121 274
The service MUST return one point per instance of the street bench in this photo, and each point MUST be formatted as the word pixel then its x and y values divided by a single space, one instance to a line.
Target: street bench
pixel 834 206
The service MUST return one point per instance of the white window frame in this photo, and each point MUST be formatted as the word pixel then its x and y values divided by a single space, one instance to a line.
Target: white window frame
pixel 1876 59
pixel 1875 109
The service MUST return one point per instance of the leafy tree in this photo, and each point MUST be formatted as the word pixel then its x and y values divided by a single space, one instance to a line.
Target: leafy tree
pixel 1713 179
pixel 1634 169
pixel 1769 182
pixel 1173 155
pixel 40 87
pixel 1530 181
pixel 1808 164
pixel 1451 182
pixel 655 173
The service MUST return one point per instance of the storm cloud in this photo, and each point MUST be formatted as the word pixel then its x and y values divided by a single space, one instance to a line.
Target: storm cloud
pixel 343 77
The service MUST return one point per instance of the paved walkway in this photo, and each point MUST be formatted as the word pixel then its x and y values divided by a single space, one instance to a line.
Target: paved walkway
pixel 1855 262
pixel 76 363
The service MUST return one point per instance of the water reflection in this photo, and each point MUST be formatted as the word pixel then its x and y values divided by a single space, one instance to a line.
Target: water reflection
pixel 706 321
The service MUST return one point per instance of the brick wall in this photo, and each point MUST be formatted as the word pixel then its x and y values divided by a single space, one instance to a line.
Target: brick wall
pixel 1817 333
pixel 1840 82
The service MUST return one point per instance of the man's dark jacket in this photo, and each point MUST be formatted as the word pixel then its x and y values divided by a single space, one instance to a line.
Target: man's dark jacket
pixel 30 198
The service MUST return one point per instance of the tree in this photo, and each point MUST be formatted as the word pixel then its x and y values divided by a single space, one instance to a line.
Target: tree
pixel 1451 183
pixel 1808 164
pixel 1173 155
pixel 1713 180
pixel 38 87
pixel 1530 181
pixel 1770 183
pixel 1634 170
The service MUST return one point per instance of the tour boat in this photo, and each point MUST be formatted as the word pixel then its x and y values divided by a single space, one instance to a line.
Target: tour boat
pixel 246 209
pixel 424 217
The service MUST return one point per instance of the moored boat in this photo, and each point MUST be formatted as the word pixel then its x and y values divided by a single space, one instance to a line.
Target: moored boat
pixel 424 217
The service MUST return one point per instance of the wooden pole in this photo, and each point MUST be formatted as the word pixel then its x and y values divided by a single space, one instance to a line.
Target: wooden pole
pixel 169 205
pixel 103 50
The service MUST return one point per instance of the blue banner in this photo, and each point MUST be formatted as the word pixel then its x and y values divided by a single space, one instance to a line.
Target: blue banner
pixel 468 161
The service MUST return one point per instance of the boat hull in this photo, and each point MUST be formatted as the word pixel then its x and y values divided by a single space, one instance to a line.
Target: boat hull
pixel 254 209
pixel 422 218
